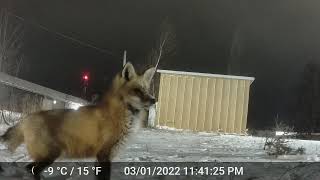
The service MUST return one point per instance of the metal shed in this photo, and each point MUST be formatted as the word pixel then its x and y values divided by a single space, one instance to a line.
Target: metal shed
pixel 203 102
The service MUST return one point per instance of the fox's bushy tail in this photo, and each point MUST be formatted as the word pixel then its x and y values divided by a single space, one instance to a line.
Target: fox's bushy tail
pixel 13 137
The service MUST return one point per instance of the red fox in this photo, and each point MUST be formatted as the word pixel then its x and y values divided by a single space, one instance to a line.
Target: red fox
pixel 91 131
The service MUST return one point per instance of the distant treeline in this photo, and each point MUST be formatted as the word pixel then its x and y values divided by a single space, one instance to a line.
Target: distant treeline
pixel 308 109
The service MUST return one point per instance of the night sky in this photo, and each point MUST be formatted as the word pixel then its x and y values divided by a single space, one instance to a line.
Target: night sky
pixel 274 41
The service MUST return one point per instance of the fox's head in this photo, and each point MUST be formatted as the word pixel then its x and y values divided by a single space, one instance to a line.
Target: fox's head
pixel 134 89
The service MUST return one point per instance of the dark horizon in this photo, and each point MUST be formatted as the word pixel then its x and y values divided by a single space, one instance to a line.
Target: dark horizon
pixel 272 41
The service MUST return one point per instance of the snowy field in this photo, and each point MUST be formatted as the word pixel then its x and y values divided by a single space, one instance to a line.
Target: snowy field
pixel 161 145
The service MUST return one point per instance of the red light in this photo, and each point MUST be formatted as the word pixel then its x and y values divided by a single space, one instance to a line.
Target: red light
pixel 85 77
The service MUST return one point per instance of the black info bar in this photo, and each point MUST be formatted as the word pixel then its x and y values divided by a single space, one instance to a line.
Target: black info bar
pixel 168 170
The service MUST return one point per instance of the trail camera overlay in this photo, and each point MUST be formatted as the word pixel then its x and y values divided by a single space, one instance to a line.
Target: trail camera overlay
pixel 159 90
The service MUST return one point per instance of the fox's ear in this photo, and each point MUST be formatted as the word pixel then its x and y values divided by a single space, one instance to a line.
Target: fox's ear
pixel 128 72
pixel 148 74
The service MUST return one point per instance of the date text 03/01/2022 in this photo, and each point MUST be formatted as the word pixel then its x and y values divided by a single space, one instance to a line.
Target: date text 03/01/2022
pixel 177 171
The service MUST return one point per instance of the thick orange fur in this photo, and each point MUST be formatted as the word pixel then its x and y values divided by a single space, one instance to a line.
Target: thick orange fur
pixel 90 131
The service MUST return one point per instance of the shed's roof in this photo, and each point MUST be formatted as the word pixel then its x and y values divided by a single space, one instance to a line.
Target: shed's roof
pixel 204 74
pixel 35 88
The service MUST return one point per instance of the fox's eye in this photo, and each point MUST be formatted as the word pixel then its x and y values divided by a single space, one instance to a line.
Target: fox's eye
pixel 138 92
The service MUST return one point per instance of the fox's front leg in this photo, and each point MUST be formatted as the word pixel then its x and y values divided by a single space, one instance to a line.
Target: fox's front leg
pixel 104 160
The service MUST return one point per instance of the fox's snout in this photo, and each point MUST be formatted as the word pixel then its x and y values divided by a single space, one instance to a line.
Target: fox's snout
pixel 149 99
pixel 152 100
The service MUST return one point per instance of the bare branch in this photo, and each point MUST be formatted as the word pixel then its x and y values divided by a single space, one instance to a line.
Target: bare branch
pixel 166 43
pixel 15 38
pixel 5 24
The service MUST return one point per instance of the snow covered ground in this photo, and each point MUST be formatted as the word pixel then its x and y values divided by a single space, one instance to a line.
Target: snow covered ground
pixel 152 145
pixel 161 145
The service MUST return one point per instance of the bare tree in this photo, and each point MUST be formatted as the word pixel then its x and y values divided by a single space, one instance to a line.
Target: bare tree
pixel 11 58
pixel 165 46
pixel 11 34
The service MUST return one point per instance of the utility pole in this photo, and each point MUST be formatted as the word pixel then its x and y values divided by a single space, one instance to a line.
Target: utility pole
pixel 85 84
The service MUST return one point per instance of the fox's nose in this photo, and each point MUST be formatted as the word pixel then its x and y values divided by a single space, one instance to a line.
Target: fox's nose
pixel 152 100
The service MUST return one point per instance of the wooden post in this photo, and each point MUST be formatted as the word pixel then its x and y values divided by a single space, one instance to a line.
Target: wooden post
pixel 124 58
